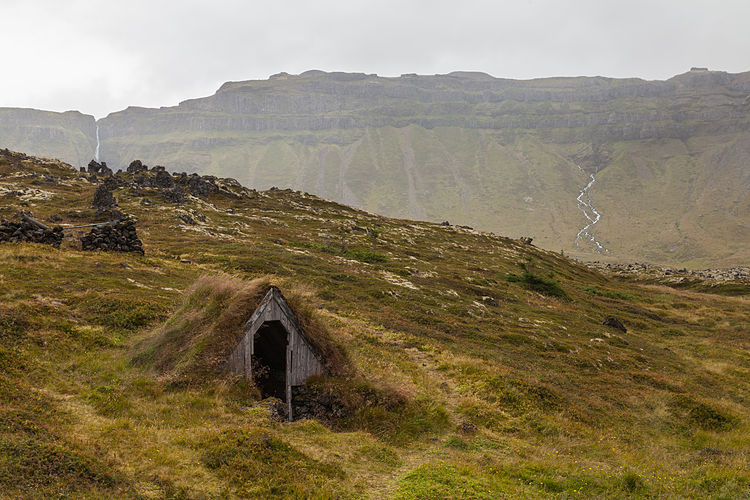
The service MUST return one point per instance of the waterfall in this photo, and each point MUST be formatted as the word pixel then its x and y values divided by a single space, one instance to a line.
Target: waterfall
pixel 96 151
pixel 592 216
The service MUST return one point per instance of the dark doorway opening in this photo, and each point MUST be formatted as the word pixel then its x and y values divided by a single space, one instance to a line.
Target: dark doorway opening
pixel 269 360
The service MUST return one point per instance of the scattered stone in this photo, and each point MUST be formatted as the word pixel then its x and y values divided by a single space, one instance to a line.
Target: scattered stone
pixel 526 240
pixel 490 301
pixel 146 202
pixel 445 223
pixel 673 275
pixel 615 323
pixel 125 265
pixel 187 219
pixel 276 409
pixel 54 218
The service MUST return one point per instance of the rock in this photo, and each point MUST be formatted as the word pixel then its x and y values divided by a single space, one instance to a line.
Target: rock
pixel 99 168
pixel 186 219
pixel 174 195
pixel 197 185
pixel 163 179
pixel 109 214
pixel 445 223
pixel 103 197
pixel 308 402
pixel 490 301
pixel 615 323
pixel 136 167
pixel 526 240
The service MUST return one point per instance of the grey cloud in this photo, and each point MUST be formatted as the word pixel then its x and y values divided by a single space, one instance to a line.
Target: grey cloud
pixel 100 57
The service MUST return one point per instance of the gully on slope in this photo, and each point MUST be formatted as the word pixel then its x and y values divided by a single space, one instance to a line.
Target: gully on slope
pixel 592 216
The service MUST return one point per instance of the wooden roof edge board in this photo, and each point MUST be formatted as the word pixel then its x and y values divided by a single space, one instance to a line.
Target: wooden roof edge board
pixel 274 293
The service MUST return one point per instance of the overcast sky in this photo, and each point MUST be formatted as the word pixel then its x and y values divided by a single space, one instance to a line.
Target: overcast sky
pixel 101 56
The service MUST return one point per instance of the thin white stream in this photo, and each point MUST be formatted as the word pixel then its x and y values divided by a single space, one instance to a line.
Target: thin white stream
pixel 592 216
pixel 96 152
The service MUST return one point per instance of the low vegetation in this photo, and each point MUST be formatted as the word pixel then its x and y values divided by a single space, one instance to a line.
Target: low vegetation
pixel 461 383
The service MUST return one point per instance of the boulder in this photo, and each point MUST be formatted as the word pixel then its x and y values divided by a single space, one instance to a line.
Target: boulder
pixel 176 194
pixel 136 166
pixel 103 197
pixel 163 179
pixel 613 322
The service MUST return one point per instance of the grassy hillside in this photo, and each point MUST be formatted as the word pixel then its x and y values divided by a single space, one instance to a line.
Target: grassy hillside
pixel 480 365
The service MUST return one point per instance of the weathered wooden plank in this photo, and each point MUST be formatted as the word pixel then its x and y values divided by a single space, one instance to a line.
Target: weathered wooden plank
pixel 302 361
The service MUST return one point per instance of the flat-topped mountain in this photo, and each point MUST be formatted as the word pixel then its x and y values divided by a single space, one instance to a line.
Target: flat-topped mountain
pixel 596 167
pixel 70 136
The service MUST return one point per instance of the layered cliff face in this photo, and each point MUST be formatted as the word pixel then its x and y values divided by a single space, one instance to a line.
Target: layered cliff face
pixel 669 158
pixel 69 136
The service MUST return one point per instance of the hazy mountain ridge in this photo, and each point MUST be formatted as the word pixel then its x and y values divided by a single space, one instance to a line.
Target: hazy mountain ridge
pixel 70 136
pixel 499 154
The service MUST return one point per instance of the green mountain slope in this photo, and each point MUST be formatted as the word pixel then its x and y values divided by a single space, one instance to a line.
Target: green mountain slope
pixel 508 156
pixel 69 136
pixel 501 155
pixel 480 365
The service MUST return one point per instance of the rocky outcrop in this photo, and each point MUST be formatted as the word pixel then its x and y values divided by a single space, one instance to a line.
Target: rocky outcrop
pixel 316 101
pixel 96 168
pixel 643 269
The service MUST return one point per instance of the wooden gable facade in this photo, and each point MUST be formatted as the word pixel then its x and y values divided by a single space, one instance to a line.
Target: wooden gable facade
pixel 273 347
